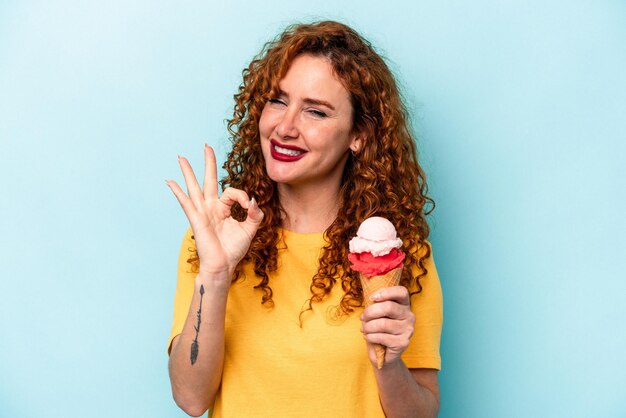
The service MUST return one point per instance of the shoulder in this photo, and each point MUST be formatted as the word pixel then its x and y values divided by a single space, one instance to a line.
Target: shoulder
pixel 188 245
pixel 188 237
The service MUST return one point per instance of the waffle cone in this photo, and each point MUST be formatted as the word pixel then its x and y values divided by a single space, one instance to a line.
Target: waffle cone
pixel 372 285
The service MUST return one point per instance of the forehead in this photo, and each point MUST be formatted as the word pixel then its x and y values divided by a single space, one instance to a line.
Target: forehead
pixel 314 76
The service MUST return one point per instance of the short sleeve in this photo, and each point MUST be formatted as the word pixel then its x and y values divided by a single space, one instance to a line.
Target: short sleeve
pixel 184 287
pixel 423 350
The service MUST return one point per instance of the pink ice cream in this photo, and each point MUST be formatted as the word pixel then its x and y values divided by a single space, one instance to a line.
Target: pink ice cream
pixel 374 250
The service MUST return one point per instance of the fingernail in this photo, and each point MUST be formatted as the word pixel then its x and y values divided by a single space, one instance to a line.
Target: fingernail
pixel 375 296
pixel 253 203
pixel 206 145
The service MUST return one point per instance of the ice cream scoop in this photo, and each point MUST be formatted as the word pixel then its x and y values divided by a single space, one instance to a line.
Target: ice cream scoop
pixel 370 265
pixel 375 235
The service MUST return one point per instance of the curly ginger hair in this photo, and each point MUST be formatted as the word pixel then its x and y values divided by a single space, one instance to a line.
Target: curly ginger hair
pixel 384 178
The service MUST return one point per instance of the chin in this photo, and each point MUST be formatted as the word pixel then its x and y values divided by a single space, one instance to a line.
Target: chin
pixel 280 178
pixel 281 173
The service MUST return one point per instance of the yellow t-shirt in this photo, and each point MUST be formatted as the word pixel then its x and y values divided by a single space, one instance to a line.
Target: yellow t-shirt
pixel 275 368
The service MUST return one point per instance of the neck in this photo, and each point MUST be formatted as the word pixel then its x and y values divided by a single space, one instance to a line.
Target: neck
pixel 308 210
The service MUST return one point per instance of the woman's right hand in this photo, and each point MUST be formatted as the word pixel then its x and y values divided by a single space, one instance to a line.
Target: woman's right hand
pixel 221 241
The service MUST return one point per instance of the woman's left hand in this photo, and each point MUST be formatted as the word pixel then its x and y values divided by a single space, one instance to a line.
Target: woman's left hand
pixel 388 322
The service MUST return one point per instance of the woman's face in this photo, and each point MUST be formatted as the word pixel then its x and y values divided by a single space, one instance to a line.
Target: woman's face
pixel 306 131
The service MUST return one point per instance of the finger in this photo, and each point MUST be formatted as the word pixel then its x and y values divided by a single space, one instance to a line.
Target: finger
pixel 190 180
pixel 210 173
pixel 230 196
pixel 183 199
pixel 253 219
pixel 255 214
pixel 386 326
pixel 377 338
pixel 387 309
pixel 398 294
pixel 397 343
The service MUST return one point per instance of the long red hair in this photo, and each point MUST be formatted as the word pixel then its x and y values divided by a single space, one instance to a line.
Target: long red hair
pixel 383 178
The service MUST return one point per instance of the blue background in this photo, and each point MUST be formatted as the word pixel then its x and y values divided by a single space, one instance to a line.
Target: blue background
pixel 521 113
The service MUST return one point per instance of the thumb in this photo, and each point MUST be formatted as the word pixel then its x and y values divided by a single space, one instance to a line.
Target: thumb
pixel 255 215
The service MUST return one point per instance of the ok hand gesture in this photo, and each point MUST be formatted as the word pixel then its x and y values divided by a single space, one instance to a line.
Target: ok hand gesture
pixel 221 241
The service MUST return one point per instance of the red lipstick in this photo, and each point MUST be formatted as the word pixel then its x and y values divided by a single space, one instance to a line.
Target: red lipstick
pixel 287 153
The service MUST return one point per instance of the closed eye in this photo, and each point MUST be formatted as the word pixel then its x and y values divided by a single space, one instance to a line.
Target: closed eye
pixel 317 113
pixel 276 101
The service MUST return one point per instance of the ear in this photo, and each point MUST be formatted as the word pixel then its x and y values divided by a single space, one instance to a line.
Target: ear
pixel 357 142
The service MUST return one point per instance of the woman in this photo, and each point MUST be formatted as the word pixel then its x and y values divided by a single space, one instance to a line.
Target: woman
pixel 267 310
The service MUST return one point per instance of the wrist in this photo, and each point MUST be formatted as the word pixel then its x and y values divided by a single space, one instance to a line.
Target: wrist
pixel 216 280
pixel 388 366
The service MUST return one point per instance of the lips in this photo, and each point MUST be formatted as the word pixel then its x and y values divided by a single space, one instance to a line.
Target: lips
pixel 287 153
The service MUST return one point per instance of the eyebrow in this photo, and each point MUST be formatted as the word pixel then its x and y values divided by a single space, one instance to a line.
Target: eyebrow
pixel 312 101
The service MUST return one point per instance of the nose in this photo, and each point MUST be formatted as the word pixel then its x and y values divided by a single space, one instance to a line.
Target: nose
pixel 287 128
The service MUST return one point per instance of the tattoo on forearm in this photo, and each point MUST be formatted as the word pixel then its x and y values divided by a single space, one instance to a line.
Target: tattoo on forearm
pixel 194 344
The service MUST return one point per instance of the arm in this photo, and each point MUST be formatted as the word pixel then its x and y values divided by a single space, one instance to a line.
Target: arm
pixel 408 392
pixel 197 354
pixel 195 379
pixel 403 392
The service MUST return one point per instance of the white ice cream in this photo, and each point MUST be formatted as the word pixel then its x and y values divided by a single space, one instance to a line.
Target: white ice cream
pixel 377 236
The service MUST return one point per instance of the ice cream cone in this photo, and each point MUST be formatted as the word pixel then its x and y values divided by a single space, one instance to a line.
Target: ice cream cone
pixel 372 285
